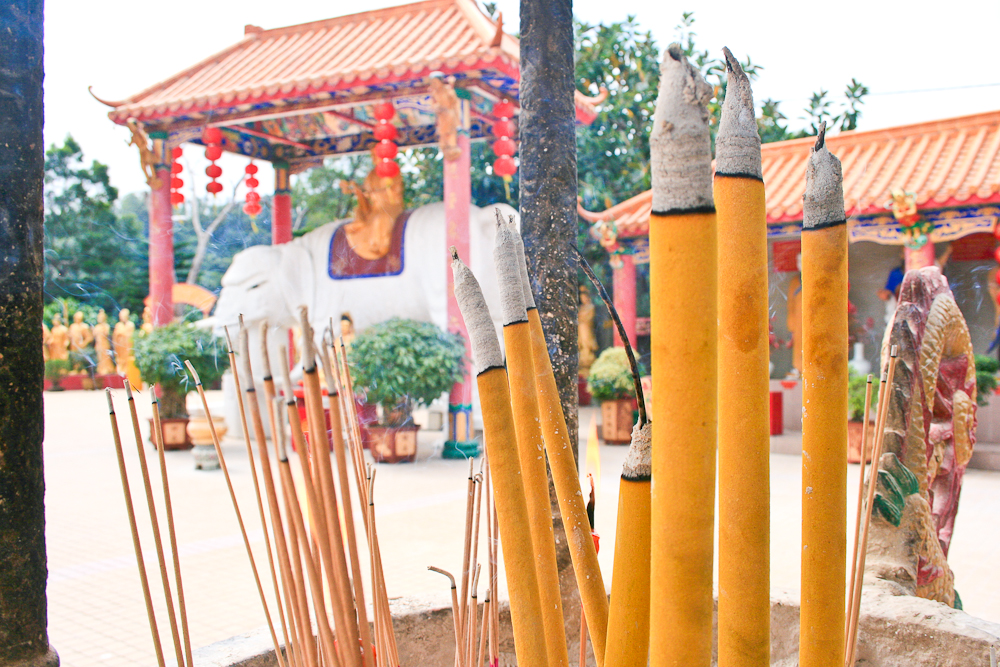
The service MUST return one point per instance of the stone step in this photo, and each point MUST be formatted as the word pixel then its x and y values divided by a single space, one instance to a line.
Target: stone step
pixel 985 456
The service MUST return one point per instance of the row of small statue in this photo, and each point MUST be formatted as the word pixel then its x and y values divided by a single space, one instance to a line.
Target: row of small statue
pixel 113 349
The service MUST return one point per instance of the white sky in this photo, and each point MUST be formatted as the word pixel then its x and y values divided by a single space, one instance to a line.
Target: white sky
pixel 121 47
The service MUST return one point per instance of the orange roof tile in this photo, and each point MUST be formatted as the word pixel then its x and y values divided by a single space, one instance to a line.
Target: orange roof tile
pixel 946 163
pixel 314 59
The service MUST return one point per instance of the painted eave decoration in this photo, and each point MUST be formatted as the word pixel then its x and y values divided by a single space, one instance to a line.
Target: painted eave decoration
pixel 951 165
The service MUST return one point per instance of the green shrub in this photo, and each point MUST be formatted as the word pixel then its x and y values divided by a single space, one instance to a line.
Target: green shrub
pixel 610 376
pixel 55 369
pixel 856 387
pixel 402 364
pixel 160 357
pixel 986 378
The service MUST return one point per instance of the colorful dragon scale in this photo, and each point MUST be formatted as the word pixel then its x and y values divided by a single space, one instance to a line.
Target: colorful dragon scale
pixel 930 431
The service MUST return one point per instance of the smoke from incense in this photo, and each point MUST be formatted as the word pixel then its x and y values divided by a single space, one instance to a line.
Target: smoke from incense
pixel 737 146
pixel 823 202
pixel 482 336
pixel 679 146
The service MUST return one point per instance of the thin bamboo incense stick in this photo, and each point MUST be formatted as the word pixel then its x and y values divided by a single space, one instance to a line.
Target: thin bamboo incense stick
pixel 157 540
pixel 135 532
pixel 470 501
pixel 336 427
pixel 530 444
pixel 563 464
pixel 255 415
pixel 295 514
pixel 379 575
pixel 171 534
pixel 483 629
pixel 744 431
pixel 478 483
pixel 236 508
pixel 683 295
pixel 824 400
pixel 339 574
pixel 872 486
pixel 861 498
pixel 280 546
pixel 292 581
pixel 454 603
pixel 501 445
pixel 473 612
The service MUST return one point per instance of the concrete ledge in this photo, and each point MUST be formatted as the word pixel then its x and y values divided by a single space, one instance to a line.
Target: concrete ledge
pixel 894 631
pixel 985 456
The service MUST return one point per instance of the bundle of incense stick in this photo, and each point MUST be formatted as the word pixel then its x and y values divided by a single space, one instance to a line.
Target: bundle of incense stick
pixel 464 609
pixel 312 549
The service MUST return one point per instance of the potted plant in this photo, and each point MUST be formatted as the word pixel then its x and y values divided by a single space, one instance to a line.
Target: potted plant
pixel 857 386
pixel 55 369
pixel 986 378
pixel 402 364
pixel 611 383
pixel 160 356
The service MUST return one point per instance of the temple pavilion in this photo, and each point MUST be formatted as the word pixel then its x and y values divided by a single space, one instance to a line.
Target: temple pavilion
pixel 946 175
pixel 295 95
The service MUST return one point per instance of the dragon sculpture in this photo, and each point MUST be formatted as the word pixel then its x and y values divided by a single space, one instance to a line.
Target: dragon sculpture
pixel 930 434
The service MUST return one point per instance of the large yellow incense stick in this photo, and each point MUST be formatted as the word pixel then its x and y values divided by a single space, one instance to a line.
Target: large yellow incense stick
pixel 824 404
pixel 682 271
pixel 744 432
pixel 565 472
pixel 524 403
pixel 628 622
pixel 143 579
pixel 508 487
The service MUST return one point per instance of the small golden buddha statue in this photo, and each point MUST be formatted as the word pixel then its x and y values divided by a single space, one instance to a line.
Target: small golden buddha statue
pixel 58 339
pixel 586 340
pixel 147 320
pixel 102 344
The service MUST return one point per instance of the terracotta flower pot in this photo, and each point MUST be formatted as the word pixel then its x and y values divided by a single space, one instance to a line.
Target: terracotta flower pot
pixel 175 434
pixel 392 445
pixel 854 433
pixel 617 420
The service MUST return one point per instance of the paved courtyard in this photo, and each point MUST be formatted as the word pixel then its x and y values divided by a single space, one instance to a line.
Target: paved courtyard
pixel 96 610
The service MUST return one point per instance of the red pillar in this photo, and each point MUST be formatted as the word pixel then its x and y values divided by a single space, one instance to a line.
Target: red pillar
pixel 161 236
pixel 281 206
pixel 918 259
pixel 457 200
pixel 623 280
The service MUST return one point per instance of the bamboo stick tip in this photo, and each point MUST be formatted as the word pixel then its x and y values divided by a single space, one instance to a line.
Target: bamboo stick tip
pixel 152 398
pixel 679 143
pixel 820 137
pixel 265 357
pixel 128 387
pixel 197 380
pixel 894 350
pixel 453 251
pixel 111 405
pixel 823 202
pixel 245 353
pixel 737 145
pixel 229 341
pixel 869 378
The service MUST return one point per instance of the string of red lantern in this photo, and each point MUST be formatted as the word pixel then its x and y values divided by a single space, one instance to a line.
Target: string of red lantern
pixel 176 183
pixel 386 148
pixel 212 138
pixel 252 207
pixel 996 254
pixel 504 146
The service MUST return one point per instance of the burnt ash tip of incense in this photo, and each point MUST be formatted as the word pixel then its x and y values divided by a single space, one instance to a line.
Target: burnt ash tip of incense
pixel 505 258
pixel 639 459
pixel 454 252
pixel 111 405
pixel 679 144
pixel 823 201
pixel 737 145
pixel 820 137
pixel 482 336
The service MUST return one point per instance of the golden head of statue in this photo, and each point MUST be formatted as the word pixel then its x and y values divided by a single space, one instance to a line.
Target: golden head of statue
pixel 380 203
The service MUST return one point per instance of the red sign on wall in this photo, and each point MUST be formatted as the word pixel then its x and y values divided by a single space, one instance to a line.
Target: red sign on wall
pixel 973 248
pixel 785 254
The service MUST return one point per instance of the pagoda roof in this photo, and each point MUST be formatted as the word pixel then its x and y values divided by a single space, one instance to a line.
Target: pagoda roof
pixel 947 163
pixel 301 92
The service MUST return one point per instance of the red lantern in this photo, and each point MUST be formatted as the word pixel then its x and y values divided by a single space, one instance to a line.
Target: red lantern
pixel 214 187
pixel 505 146
pixel 176 183
pixel 213 171
pixel 253 210
pixel 384 111
pixel 253 198
pixel 252 182
pixel 213 152
pixel 503 128
pixel 176 152
pixel 176 167
pixel 385 132
pixel 212 135
pixel 176 198
pixel 385 150
pixel 387 168
pixel 504 166
pixel 252 207
pixel 503 109
pixel 251 169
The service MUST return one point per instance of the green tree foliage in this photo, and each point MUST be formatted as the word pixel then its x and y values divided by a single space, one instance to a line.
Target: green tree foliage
pixel 91 254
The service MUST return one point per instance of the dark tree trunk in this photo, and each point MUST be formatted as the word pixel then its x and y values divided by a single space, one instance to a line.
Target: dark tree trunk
pixel 23 615
pixel 547 133
pixel 547 138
